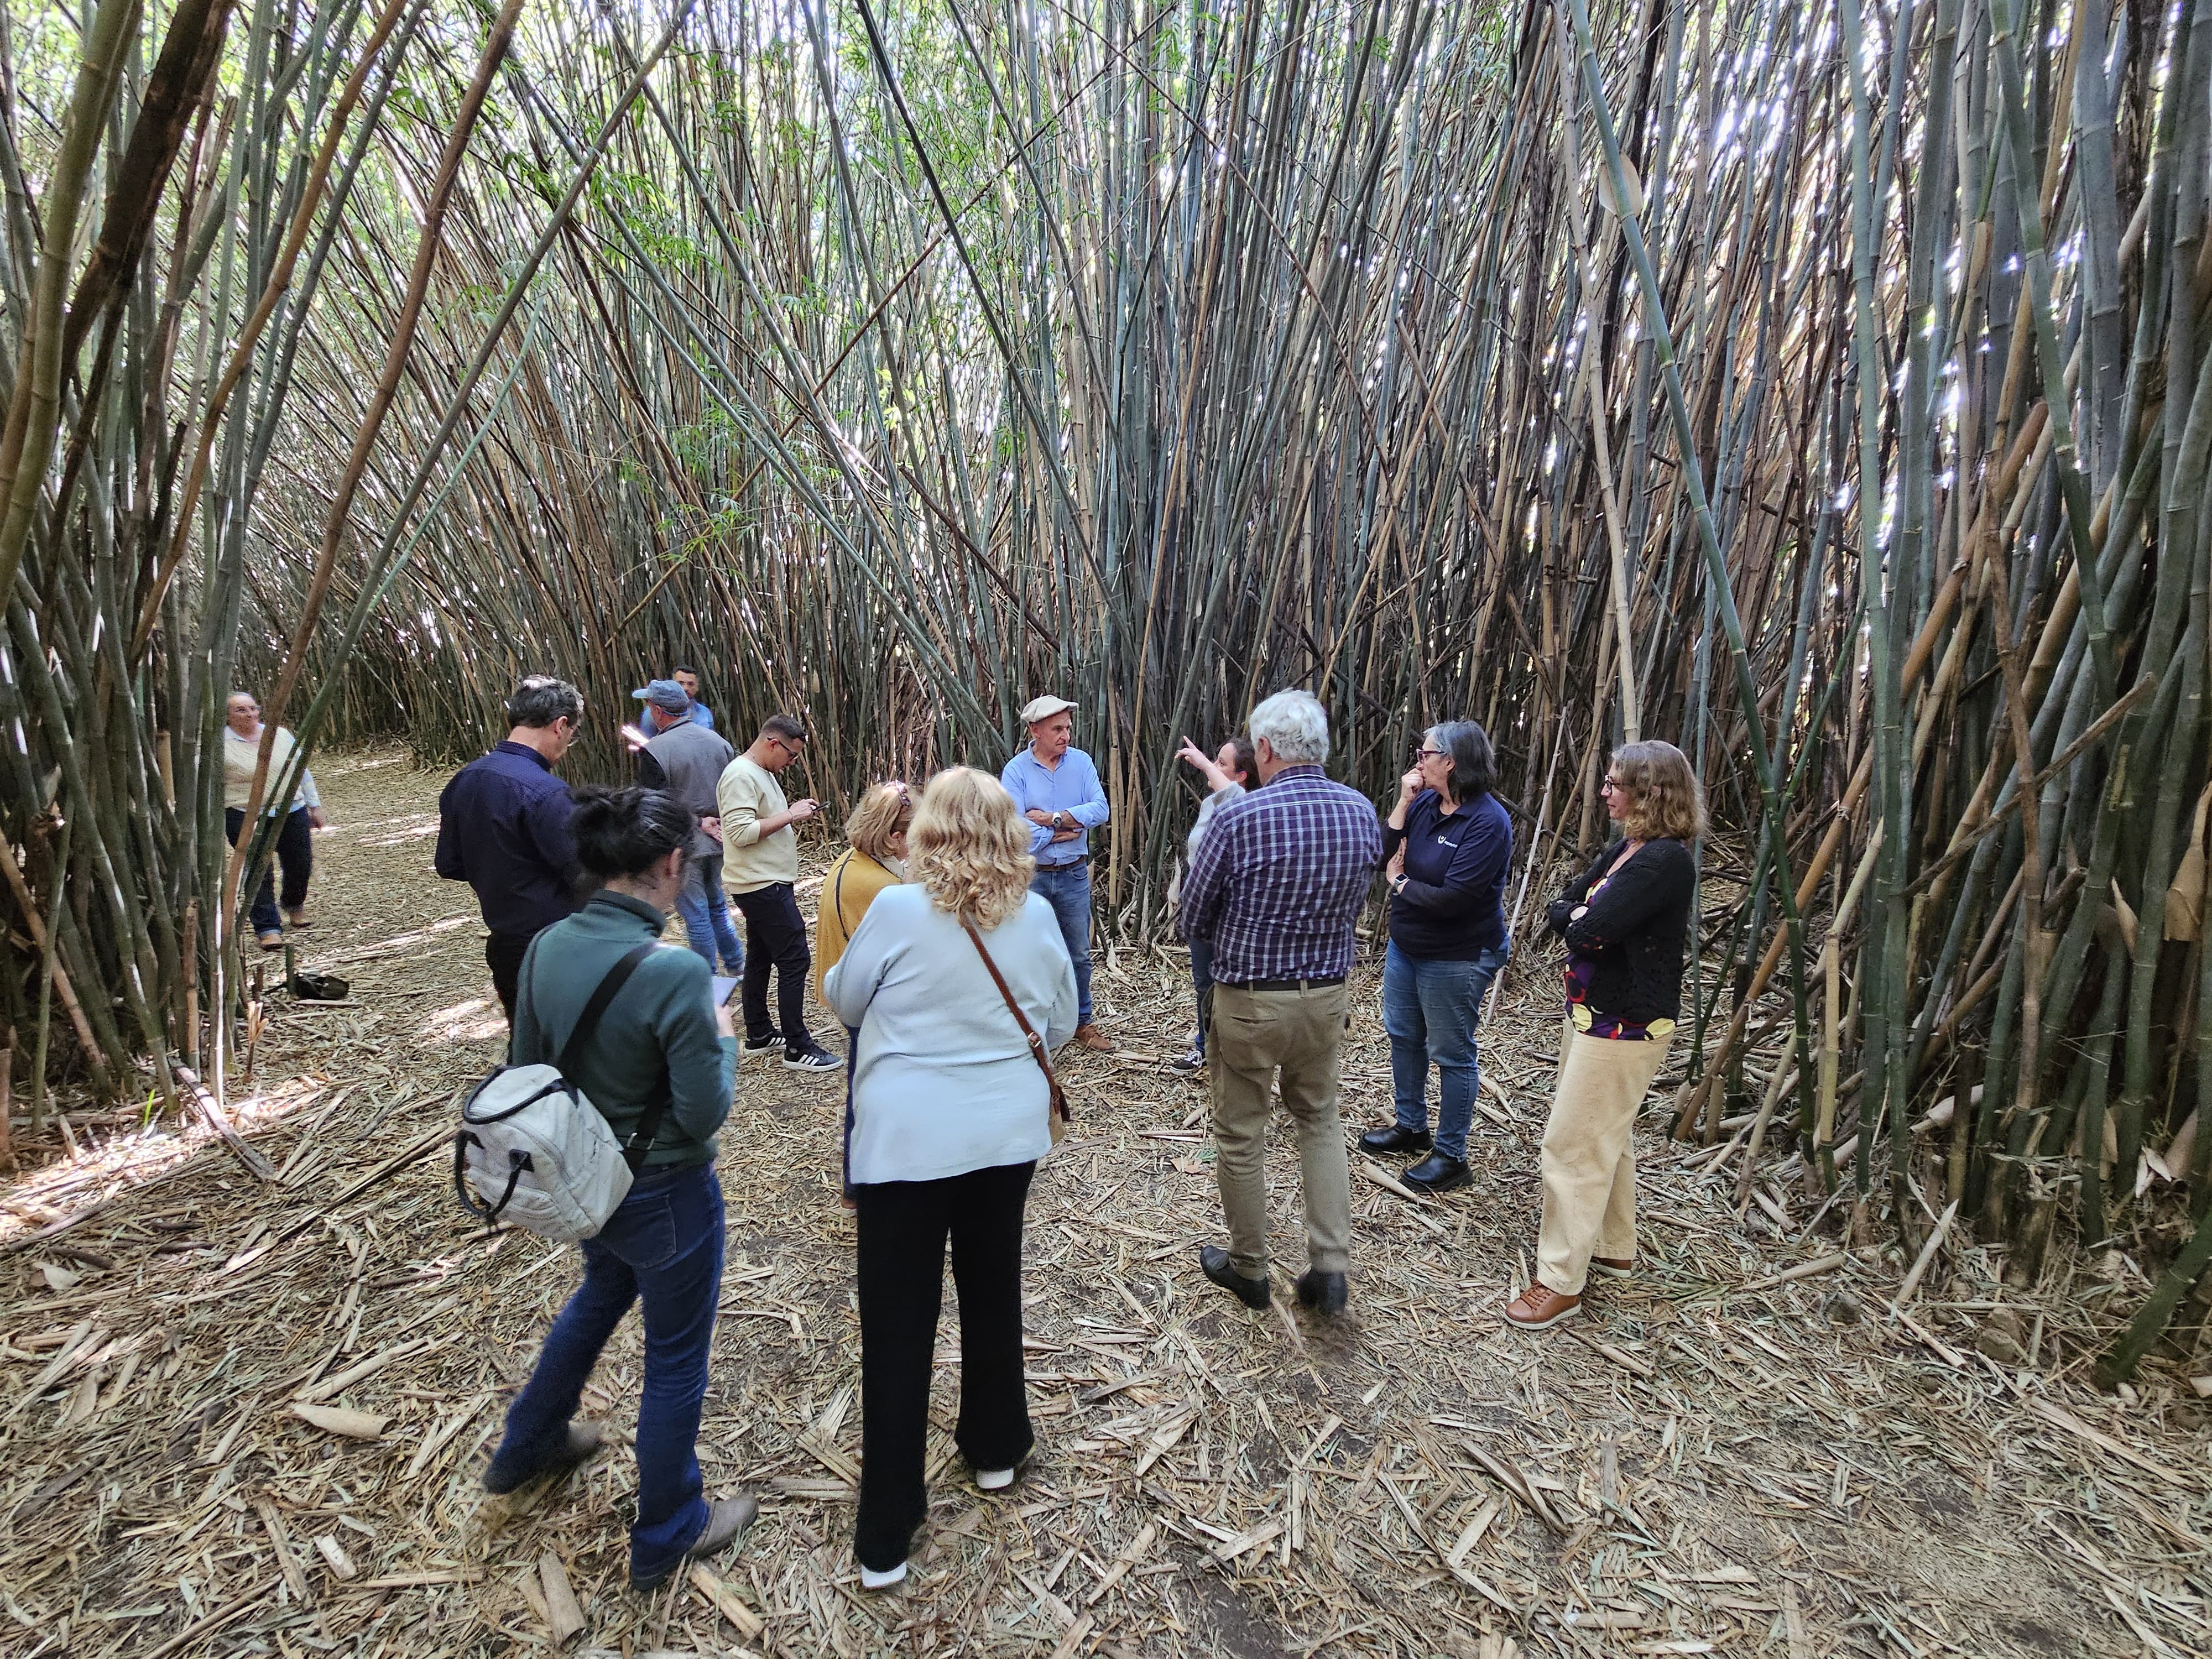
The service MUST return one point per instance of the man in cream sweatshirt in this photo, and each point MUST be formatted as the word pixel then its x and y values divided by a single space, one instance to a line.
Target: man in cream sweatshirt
pixel 760 866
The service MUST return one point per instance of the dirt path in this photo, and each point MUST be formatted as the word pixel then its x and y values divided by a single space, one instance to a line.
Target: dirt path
pixel 1710 1465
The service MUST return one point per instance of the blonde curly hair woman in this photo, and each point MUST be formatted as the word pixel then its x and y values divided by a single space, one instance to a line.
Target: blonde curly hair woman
pixel 950 1112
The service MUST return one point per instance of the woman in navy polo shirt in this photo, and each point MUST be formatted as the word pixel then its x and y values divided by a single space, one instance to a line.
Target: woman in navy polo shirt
pixel 1447 841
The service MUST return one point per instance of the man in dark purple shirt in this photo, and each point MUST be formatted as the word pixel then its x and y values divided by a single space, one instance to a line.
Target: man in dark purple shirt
pixel 1276 884
pixel 503 827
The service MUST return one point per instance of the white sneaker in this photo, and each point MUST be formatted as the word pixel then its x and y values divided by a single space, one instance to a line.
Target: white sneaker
pixel 994 1479
pixel 870 1579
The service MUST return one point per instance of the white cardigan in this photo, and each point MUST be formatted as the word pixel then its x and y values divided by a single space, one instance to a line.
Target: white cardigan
pixel 943 1080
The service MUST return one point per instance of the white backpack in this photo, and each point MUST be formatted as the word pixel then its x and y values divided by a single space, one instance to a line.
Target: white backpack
pixel 534 1148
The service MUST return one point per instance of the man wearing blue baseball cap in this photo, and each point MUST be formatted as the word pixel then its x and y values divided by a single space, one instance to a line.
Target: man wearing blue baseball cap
pixel 656 719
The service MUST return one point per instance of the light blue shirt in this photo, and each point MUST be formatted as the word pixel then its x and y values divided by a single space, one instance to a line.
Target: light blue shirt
pixel 943 1080
pixel 1072 788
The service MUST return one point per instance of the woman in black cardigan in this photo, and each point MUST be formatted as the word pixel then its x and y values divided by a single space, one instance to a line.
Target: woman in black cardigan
pixel 1625 921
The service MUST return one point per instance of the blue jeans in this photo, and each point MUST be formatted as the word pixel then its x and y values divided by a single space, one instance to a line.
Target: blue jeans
pixel 705 908
pixel 1430 1010
pixel 1067 889
pixel 1201 985
pixel 664 1244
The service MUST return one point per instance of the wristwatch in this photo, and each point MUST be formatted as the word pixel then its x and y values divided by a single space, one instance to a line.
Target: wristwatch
pixel 1060 821
pixel 1398 883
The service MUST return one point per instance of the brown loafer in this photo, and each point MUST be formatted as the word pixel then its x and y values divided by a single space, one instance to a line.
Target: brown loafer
pixel 1540 1307
pixel 1091 1037
pixel 1613 1267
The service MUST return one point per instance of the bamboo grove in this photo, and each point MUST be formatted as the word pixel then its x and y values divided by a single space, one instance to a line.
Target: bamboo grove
pixel 1825 387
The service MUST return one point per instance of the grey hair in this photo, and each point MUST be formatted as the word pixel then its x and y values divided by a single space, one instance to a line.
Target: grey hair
pixel 1295 725
pixel 540 700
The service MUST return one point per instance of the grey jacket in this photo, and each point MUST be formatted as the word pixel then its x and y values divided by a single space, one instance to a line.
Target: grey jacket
pixel 688 759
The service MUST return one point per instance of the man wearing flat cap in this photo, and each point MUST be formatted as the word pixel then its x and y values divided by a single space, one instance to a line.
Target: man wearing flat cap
pixel 1057 788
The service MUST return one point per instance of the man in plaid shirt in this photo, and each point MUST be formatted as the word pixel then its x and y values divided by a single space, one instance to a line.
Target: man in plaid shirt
pixel 1277 885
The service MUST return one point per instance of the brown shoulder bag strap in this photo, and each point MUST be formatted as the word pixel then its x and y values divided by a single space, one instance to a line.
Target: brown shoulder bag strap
pixel 1028 1032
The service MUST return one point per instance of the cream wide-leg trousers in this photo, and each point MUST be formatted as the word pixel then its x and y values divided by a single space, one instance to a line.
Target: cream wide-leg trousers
pixel 1589 1156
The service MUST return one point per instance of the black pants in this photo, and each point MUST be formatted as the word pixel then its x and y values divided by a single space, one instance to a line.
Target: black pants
pixel 776 937
pixel 503 955
pixel 903 1225
pixel 296 852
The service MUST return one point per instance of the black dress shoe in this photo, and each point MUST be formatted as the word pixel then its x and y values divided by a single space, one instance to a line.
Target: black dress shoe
pixel 1436 1174
pixel 1322 1292
pixel 1213 1261
pixel 1395 1138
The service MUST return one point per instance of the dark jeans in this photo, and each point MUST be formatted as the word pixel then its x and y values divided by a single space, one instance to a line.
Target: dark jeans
pixel 1201 985
pixel 776 937
pixel 1067 889
pixel 296 852
pixel 663 1244
pixel 503 954
pixel 705 908
pixel 903 1225
pixel 1430 1010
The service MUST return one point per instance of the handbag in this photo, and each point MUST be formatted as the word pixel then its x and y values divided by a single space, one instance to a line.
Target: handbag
pixel 1060 1115
pixel 532 1145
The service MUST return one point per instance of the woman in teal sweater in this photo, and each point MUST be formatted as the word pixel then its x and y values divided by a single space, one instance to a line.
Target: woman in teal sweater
pixel 661 1042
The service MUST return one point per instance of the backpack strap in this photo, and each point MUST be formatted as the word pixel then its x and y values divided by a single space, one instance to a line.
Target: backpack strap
pixel 588 1023
pixel 609 988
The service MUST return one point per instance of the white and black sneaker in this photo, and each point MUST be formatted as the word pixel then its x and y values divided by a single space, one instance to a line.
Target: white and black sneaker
pixel 811 1058
pixel 1192 1059
pixel 761 1045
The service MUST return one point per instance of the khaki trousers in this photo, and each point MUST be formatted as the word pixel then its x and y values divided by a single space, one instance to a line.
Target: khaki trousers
pixel 1589 1156
pixel 1254 1034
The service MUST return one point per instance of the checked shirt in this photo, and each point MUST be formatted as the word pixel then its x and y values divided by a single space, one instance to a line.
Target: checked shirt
pixel 1280 878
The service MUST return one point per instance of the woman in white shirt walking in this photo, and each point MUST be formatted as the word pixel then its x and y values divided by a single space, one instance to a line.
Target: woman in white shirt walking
pixel 296 843
pixel 950 1113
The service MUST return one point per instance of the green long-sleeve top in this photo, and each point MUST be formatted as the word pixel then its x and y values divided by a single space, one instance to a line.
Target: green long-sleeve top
pixel 657 1040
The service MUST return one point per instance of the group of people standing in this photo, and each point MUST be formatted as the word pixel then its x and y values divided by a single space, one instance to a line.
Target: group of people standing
pixel 952 943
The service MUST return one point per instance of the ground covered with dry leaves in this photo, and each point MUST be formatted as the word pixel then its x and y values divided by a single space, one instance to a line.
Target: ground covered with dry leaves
pixel 246 1413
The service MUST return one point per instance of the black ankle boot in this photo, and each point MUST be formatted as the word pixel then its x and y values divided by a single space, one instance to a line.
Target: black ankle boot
pixel 1395 1138
pixel 1213 1261
pixel 1436 1174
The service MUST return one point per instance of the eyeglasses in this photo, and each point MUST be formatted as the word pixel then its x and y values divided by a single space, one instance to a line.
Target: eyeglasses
pixel 1613 786
pixel 1429 754
pixel 789 748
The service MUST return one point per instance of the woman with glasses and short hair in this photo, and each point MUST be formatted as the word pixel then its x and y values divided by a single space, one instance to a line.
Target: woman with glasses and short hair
pixel 1625 920
pixel 1447 842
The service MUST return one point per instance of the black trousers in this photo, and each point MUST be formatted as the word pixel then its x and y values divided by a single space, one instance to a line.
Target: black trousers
pixel 296 852
pixel 503 955
pixel 776 937
pixel 903 1226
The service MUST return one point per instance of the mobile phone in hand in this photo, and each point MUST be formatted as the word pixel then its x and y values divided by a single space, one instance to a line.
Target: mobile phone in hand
pixel 723 984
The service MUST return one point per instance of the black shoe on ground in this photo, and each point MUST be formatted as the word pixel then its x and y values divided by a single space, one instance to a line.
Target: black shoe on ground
pixel 725 1518
pixel 761 1045
pixel 1395 1138
pixel 582 1443
pixel 1213 1262
pixel 1191 1061
pixel 811 1058
pixel 1322 1292
pixel 1436 1174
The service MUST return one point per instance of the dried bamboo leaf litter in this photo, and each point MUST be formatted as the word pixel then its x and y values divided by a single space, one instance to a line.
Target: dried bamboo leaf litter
pixel 246 1417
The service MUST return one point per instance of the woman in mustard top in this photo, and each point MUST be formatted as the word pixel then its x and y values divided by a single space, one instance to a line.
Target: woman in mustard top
pixel 874 858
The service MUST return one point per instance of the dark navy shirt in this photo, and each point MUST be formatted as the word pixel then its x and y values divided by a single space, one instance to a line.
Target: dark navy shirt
pixel 503 829
pixel 1451 908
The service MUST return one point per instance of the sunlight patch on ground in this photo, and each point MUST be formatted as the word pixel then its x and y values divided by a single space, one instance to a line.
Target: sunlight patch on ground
pixel 474 1020
pixel 103 1169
